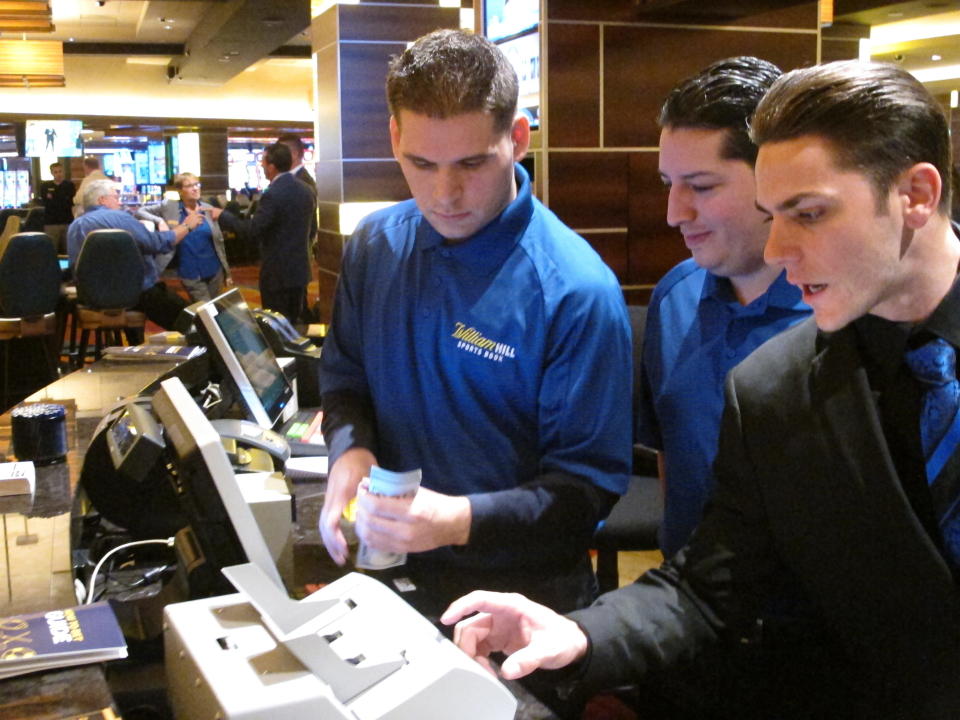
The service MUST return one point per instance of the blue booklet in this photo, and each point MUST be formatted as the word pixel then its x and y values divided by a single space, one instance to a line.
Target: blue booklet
pixel 59 638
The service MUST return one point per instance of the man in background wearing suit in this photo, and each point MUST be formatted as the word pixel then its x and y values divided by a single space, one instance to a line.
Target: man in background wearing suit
pixel 831 518
pixel 298 170
pixel 281 226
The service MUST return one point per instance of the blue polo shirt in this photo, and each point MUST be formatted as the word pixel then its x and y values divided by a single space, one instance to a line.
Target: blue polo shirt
pixel 696 332
pixel 490 361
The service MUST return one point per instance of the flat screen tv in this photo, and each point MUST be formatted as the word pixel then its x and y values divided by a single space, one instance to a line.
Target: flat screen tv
pixel 233 336
pixel 60 138
pixel 158 163
pixel 523 52
pixel 506 18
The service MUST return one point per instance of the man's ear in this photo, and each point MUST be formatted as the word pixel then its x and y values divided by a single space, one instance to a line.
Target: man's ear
pixel 920 187
pixel 520 135
pixel 395 136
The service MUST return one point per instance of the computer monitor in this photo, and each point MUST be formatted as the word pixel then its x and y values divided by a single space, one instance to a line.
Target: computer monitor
pixel 221 523
pixel 235 339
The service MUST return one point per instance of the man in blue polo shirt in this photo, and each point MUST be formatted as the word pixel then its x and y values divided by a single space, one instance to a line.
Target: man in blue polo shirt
pixel 478 338
pixel 711 311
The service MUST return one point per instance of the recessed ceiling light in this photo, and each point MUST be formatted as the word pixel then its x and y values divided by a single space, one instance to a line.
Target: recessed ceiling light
pixel 936 57
pixel 895 14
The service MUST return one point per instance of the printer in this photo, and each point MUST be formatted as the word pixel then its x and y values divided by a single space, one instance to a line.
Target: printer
pixel 352 650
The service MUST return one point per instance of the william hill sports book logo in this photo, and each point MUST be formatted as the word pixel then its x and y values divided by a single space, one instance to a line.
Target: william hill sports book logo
pixel 470 339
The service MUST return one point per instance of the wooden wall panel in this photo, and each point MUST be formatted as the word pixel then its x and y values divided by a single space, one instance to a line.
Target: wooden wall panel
pixel 613 248
pixel 654 246
pixel 574 85
pixel 384 22
pixel 213 161
pixel 364 116
pixel 635 83
pixel 589 189
pixel 734 13
pixel 373 181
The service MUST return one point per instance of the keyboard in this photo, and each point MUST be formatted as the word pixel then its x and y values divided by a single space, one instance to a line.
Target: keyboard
pixel 302 432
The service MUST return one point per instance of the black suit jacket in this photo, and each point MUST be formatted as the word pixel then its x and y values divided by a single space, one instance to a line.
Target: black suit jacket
pixel 282 227
pixel 807 499
pixel 303 176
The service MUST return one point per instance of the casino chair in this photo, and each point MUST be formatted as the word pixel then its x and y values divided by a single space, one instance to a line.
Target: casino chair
pixel 109 277
pixel 29 294
pixel 633 522
pixel 10 228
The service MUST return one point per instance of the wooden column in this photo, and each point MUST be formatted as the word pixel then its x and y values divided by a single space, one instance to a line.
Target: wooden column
pixel 352 46
pixel 213 161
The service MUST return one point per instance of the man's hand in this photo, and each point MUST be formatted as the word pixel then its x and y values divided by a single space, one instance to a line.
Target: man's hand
pixel 342 482
pixel 532 635
pixel 162 226
pixel 423 522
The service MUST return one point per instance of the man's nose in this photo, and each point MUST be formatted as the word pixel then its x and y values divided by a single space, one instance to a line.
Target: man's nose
pixel 680 208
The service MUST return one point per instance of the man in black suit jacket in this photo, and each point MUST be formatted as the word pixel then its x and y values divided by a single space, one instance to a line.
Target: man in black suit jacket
pixel 281 225
pixel 822 524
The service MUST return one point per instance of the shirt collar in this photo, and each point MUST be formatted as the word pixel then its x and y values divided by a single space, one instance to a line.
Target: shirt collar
pixel 489 247
pixel 884 342
pixel 780 294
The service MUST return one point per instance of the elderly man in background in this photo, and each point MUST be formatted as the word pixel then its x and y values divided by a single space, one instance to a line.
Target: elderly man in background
pixel 201 258
pixel 91 171
pixel 101 202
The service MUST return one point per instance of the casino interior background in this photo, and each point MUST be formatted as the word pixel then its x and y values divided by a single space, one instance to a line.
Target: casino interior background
pixel 139 73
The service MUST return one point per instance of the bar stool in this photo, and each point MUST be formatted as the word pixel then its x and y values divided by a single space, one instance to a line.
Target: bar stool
pixel 109 277
pixel 29 293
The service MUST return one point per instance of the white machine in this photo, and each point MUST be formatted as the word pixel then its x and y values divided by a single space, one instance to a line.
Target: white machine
pixel 352 650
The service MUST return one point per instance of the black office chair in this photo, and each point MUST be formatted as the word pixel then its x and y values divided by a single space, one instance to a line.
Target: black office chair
pixel 635 519
pixel 29 293
pixel 109 276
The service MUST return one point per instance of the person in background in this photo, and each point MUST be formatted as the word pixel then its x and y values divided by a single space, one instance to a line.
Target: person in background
pixel 91 172
pixel 479 339
pixel 57 198
pixel 834 515
pixel 710 311
pixel 102 211
pixel 300 172
pixel 281 226
pixel 201 258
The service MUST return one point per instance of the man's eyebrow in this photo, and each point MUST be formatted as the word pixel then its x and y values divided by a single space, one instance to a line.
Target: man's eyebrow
pixel 692 175
pixel 790 202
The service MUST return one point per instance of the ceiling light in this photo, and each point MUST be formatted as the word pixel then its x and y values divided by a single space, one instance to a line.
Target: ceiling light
pixel 954 98
pixel 24 7
pixel 936 57
pixel 11 24
pixel 37 63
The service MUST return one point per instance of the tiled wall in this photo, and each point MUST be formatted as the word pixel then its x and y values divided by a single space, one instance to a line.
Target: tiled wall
pixel 607 73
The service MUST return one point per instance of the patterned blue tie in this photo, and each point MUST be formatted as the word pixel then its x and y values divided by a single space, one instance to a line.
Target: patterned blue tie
pixel 934 365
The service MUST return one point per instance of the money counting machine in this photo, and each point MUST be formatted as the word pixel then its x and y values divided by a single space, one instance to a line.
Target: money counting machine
pixel 353 650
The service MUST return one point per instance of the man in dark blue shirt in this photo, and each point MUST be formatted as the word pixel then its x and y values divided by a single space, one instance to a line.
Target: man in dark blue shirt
pixel 479 339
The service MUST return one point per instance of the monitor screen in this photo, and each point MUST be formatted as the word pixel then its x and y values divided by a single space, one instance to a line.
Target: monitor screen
pixel 158 163
pixel 60 138
pixel 234 337
pixel 222 524
pixel 141 167
pixel 506 18
pixel 523 52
